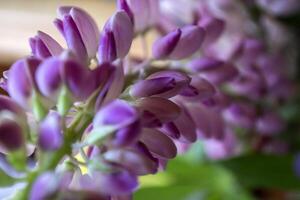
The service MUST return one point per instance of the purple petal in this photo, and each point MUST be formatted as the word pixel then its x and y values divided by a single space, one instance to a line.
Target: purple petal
pixel 52 45
pixel 150 87
pixel 116 183
pixel 214 27
pixel 163 47
pixel 158 143
pixel 73 38
pixel 123 5
pixel 240 114
pixel 118 113
pixel 122 28
pixel 269 124
pixel 190 41
pixel 11 134
pixel 44 186
pixel 50 132
pixel 21 80
pixel 170 129
pixel 181 82
pixel 88 30
pixel 7 104
pixel 127 135
pixel 134 162
pixel 107 51
pixel 48 77
pixel 161 108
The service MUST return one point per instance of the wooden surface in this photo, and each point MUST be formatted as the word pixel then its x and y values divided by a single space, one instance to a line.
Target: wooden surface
pixel 20 19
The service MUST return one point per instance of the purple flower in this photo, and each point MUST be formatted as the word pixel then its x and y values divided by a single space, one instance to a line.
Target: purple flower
pixel 240 114
pixel 111 78
pixel 145 13
pixel 214 70
pixel 158 143
pixel 214 27
pixel 44 46
pixel 179 44
pixel 199 89
pixel 79 30
pixel 297 165
pixel 124 117
pixel 131 160
pixel 50 132
pixel 280 7
pixel 158 108
pixel 44 186
pixel 21 82
pixel 162 84
pixel 269 123
pixel 119 182
pixel 116 38
pixel 54 73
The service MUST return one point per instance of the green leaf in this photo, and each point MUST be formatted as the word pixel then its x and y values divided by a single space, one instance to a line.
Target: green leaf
pixel 6 180
pixel 99 134
pixel 267 171
pixel 189 181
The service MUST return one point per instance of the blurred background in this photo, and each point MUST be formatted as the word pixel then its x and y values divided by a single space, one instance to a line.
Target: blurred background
pixel 21 19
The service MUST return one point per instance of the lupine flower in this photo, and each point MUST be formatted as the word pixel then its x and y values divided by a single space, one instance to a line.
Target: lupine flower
pixel 21 82
pixel 13 127
pixel 50 132
pixel 240 114
pixel 131 160
pixel 158 108
pixel 124 117
pixel 269 123
pixel 79 30
pixel 44 46
pixel 199 89
pixel 55 73
pixel 116 38
pixel 280 7
pixel 215 71
pixel 3 81
pixel 114 183
pixel 162 84
pixel 112 79
pixel 213 27
pixel 297 165
pixel 145 13
pixel 191 38
pixel 158 143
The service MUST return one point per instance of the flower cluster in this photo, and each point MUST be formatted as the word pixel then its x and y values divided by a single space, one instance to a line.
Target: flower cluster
pixel 93 118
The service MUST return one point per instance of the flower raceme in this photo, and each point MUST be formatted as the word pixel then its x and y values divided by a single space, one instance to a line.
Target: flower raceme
pixel 95 127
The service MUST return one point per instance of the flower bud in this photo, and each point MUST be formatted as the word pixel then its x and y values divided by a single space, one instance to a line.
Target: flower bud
pixel 164 46
pixel 54 73
pixel 213 70
pixel 145 13
pixel 158 143
pixel 169 46
pixel 162 84
pixel 21 82
pixel 50 132
pixel 126 121
pixel 241 115
pixel 13 125
pixel 120 182
pixel 79 30
pixel 44 46
pixel 269 124
pixel 117 38
pixel 199 89
pixel 163 109
pixel 133 161
pixel 213 27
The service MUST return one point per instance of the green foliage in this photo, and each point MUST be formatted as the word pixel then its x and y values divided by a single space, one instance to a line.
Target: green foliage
pixel 264 171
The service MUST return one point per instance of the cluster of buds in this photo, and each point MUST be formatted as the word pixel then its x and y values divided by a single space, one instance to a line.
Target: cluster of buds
pixel 93 129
